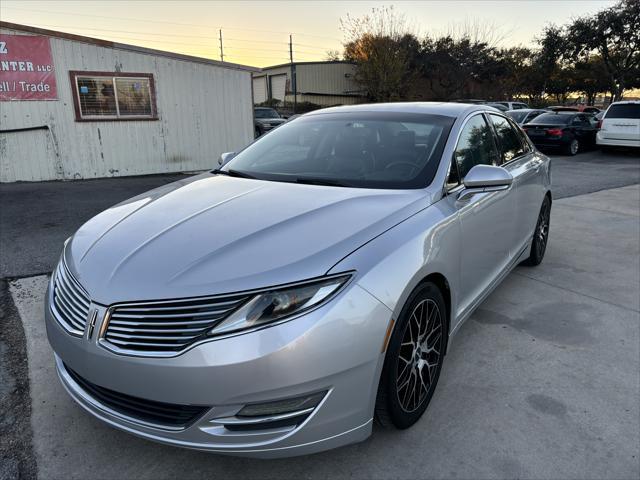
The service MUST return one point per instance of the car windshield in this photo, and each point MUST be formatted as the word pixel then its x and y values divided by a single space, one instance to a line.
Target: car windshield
pixel 518 116
pixel 364 149
pixel 552 119
pixel 266 113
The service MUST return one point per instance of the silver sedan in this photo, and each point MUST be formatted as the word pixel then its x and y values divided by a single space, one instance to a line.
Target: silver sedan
pixel 310 285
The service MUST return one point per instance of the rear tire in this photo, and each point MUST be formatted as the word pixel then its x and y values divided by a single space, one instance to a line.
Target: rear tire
pixel 414 359
pixel 540 236
pixel 572 148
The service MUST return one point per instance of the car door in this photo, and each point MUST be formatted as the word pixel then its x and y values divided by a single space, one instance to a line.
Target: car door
pixel 520 160
pixel 487 219
pixel 583 130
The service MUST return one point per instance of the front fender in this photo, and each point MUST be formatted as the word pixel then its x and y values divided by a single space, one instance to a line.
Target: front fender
pixel 391 265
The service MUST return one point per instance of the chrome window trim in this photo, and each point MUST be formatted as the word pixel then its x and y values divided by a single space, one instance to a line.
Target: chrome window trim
pixel 448 191
pixel 495 136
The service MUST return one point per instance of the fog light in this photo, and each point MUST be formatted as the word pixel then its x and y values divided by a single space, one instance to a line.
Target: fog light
pixel 282 406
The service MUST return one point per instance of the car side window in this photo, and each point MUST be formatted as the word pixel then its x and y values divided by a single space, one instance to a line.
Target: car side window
pixel 524 140
pixel 508 139
pixel 475 147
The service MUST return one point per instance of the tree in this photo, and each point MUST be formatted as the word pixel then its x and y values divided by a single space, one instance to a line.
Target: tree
pixel 332 56
pixel 514 70
pixel 590 78
pixel 614 34
pixel 457 68
pixel 382 48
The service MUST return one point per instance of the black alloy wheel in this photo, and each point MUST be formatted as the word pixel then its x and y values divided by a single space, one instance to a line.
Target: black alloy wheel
pixel 414 359
pixel 541 235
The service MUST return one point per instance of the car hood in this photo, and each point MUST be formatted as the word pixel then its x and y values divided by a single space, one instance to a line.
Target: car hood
pixel 214 234
pixel 271 120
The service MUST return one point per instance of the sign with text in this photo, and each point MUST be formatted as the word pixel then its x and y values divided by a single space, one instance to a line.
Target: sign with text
pixel 26 68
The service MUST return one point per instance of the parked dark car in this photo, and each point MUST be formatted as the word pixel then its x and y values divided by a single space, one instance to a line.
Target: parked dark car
pixel 568 131
pixel 264 119
pixel 525 115
pixel 498 106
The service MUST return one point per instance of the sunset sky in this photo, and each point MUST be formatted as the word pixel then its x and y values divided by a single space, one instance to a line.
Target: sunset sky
pixel 257 33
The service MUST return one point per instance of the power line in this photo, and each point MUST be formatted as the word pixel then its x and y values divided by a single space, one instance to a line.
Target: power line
pixel 261 41
pixel 127 38
pixel 257 49
pixel 164 22
pixel 204 37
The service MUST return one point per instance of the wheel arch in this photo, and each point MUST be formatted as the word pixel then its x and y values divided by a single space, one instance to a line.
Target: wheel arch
pixel 440 281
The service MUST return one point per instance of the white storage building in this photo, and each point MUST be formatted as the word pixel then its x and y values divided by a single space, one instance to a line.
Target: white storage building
pixel 74 107
pixel 323 83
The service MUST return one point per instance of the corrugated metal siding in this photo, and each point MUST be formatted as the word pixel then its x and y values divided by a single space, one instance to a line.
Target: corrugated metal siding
pixel 326 100
pixel 278 86
pixel 259 89
pixel 204 110
pixel 324 84
pixel 326 78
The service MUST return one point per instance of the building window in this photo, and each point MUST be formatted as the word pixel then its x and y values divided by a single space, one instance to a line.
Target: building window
pixel 113 96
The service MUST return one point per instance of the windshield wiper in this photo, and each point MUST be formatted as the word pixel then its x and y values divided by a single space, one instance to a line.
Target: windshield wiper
pixel 233 173
pixel 321 181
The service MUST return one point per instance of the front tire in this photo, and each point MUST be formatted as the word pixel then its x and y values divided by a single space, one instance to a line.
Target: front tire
pixel 541 235
pixel 414 359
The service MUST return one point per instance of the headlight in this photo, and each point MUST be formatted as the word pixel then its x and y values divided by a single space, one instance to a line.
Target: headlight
pixel 273 305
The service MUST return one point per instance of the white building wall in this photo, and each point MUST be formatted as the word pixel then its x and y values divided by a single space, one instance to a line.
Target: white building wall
pixel 326 78
pixel 203 110
pixel 322 83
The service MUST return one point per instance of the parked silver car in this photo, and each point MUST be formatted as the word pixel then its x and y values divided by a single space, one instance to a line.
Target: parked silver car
pixel 314 282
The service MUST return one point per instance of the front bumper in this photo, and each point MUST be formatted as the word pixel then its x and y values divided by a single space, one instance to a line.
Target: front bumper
pixel 336 348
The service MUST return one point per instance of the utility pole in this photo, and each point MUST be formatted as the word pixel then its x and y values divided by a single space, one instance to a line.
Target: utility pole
pixel 294 83
pixel 221 51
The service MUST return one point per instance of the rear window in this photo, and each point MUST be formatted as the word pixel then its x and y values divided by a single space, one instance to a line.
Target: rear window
pixel 551 119
pixel 517 116
pixel 624 110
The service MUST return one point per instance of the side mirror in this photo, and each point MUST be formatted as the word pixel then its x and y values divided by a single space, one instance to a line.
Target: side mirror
pixel 485 178
pixel 225 157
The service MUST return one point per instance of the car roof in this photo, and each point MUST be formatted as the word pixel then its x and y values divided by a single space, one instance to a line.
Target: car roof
pixel 527 110
pixel 627 102
pixel 449 109
pixel 564 112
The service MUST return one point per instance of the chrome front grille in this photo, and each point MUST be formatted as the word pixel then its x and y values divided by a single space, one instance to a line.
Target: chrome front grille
pixel 164 328
pixel 70 301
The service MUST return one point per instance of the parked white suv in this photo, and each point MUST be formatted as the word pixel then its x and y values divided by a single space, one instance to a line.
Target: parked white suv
pixel 620 125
